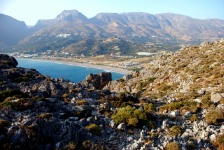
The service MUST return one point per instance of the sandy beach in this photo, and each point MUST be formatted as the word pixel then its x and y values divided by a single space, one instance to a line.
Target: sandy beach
pixel 88 65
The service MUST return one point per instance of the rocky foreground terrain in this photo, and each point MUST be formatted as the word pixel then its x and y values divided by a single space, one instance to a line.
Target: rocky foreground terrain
pixel 177 102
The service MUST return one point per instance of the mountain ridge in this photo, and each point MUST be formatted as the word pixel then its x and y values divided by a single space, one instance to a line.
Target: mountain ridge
pixel 136 27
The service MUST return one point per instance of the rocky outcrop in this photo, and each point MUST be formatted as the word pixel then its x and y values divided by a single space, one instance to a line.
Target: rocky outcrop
pixel 7 61
pixel 97 81
pixel 39 112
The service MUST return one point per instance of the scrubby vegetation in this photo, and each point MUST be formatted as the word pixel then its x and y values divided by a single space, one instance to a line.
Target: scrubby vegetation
pixel 172 146
pixel 131 116
pixel 214 117
pixel 175 130
pixel 94 129
pixel 220 142
pixel 184 105
pixel 177 102
pixel 11 93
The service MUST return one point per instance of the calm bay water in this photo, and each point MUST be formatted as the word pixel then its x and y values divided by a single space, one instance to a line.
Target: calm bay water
pixel 66 71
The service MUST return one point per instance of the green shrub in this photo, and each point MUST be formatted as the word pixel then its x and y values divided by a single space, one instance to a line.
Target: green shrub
pixel 143 84
pixel 71 146
pixel 214 117
pixel 172 146
pixel 193 118
pixel 132 122
pixel 123 114
pixel 11 93
pixel 120 100
pixel 36 98
pixel 17 105
pixel 88 145
pixel 83 114
pixel 94 129
pixel 175 130
pixel 149 108
pixel 45 115
pixel 130 116
pixel 140 114
pixel 206 100
pixel 186 105
pixel 171 106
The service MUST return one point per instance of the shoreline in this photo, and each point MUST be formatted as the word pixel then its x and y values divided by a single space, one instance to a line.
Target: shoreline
pixel 84 64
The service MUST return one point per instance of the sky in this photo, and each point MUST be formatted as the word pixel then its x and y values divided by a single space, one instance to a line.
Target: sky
pixel 31 11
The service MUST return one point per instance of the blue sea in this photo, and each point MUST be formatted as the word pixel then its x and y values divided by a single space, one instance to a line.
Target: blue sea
pixel 66 71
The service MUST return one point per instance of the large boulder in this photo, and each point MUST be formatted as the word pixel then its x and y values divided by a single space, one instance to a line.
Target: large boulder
pixel 216 97
pixel 7 61
pixel 97 81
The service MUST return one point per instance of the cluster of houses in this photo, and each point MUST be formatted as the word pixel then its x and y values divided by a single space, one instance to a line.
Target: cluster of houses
pixel 128 64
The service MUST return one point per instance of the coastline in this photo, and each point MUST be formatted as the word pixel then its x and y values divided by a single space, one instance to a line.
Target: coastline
pixel 84 64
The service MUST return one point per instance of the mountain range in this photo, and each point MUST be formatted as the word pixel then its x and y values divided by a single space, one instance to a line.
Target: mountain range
pixel 106 33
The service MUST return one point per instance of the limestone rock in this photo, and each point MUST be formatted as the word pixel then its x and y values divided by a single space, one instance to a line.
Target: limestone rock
pixel 122 127
pixel 216 97
pixel 97 81
pixel 7 61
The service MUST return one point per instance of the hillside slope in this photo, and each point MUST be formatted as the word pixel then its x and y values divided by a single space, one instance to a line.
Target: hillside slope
pixel 12 30
pixel 177 102
pixel 189 70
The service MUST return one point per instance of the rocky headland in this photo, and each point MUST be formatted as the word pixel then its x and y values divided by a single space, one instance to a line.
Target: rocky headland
pixel 177 102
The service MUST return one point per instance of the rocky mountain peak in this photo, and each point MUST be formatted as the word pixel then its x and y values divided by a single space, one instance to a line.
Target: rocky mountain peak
pixel 70 15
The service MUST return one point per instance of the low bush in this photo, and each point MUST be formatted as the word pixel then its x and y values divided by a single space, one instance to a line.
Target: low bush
pixel 149 108
pixel 219 142
pixel 120 100
pixel 11 93
pixel 130 116
pixel 45 115
pixel 214 117
pixel 186 105
pixel 172 146
pixel 19 104
pixel 71 146
pixel 193 118
pixel 82 113
pixel 94 129
pixel 87 145
pixel 175 130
